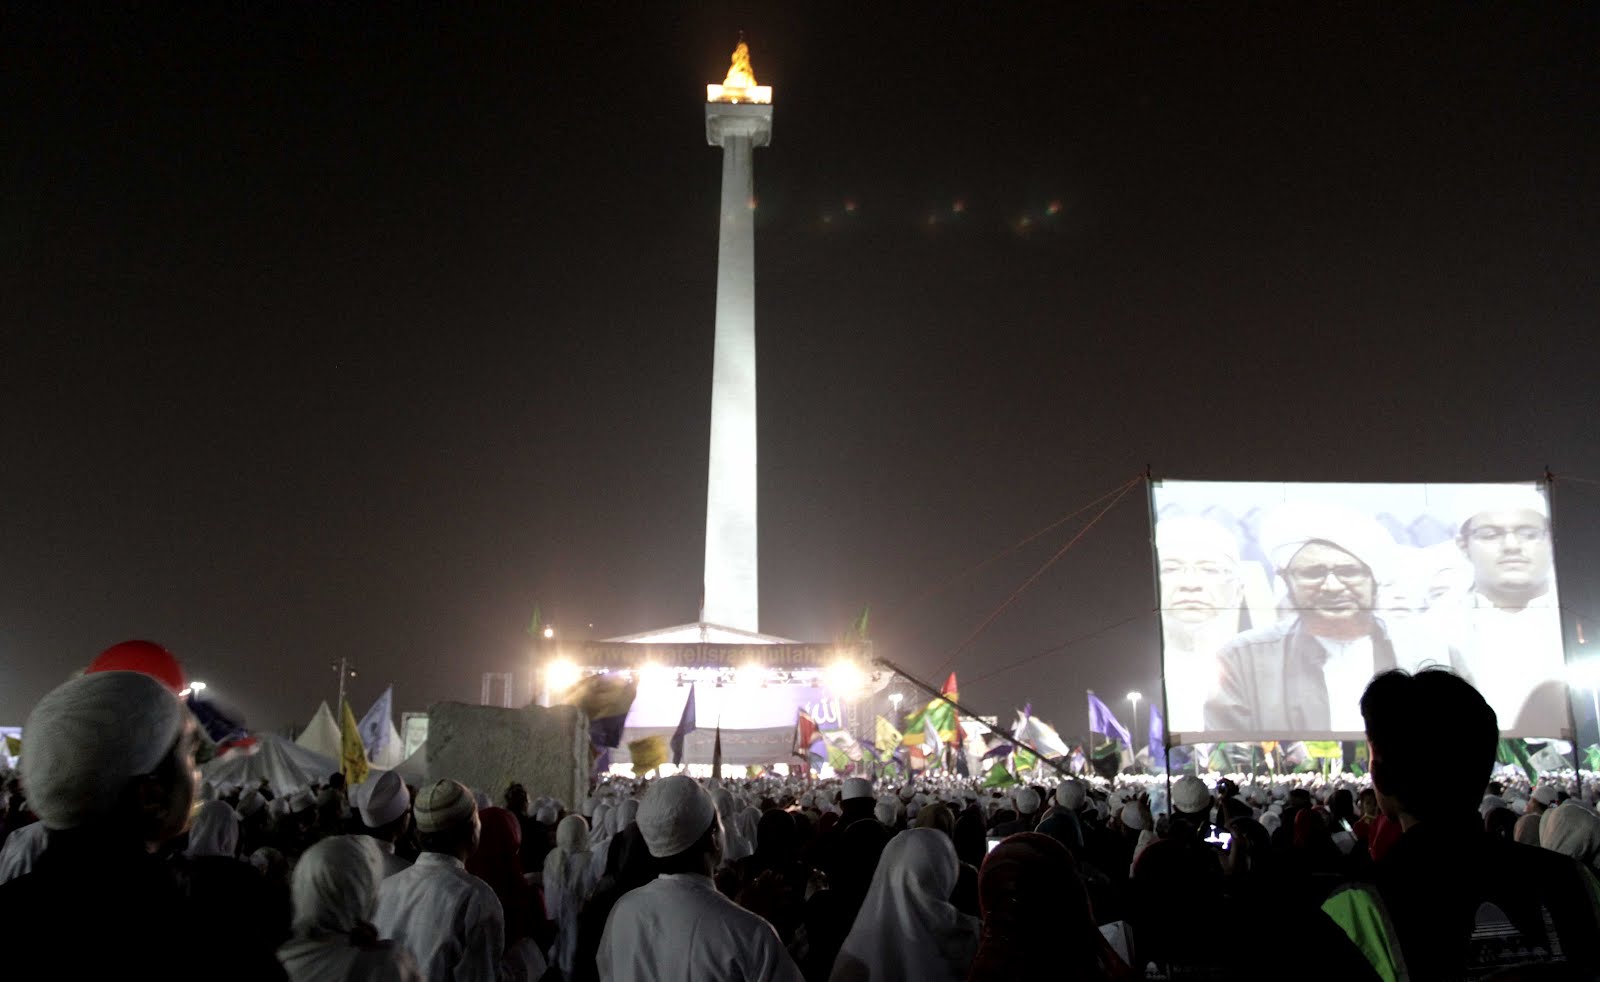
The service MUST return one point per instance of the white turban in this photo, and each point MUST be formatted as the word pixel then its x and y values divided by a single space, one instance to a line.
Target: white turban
pixel 214 831
pixel 381 800
pixel 546 814
pixel 1290 528
pixel 674 815
pixel 89 738
pixel 445 805
pixel 1132 817
pixel 1027 801
pixel 335 884
pixel 1189 795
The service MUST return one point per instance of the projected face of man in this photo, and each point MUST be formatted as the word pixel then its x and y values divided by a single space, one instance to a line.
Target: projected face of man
pixel 1332 590
pixel 1199 573
pixel 1510 554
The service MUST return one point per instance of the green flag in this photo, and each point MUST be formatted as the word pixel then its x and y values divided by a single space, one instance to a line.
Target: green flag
pixel 1324 748
pixel 1026 760
pixel 861 625
pixel 999 777
pixel 1515 751
pixel 837 759
pixel 536 626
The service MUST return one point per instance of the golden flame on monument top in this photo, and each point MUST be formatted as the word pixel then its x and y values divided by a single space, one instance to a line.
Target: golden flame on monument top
pixel 740 85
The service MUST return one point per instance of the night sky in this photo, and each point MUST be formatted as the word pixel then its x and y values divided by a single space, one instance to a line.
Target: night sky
pixel 352 330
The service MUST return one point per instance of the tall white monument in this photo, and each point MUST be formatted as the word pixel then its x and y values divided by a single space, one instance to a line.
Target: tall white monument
pixel 738 119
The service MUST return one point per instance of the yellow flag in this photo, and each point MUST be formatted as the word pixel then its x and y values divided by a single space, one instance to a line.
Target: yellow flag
pixel 13 746
pixel 648 754
pixel 353 756
pixel 886 738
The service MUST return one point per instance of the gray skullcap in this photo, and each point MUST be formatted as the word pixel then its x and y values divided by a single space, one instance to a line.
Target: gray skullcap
pixel 546 814
pixel 382 799
pixel 1132 818
pixel 302 800
pixel 445 804
pixel 1294 526
pixel 908 792
pixel 89 738
pixel 1027 801
pixel 855 787
pixel 887 811
pixel 674 815
pixel 1071 794
pixel 1189 795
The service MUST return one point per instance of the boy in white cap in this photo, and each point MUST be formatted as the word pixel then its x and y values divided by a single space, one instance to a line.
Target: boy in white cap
pixel 385 808
pixel 450 920
pixel 678 926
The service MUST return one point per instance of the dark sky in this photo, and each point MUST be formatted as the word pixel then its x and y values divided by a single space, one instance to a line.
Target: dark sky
pixel 352 330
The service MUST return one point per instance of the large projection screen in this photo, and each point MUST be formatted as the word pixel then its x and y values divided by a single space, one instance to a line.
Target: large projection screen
pixel 1279 602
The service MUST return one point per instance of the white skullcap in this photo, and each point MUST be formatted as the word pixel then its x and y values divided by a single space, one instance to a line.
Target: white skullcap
pixel 381 800
pixel 1027 801
pixel 1271 821
pixel 1132 817
pixel 1490 803
pixel 278 807
pixel 856 787
pixel 444 805
pixel 887 811
pixel 89 738
pixel 302 800
pixel 1545 794
pixel 1290 528
pixel 675 814
pixel 546 814
pixel 1502 498
pixel 907 792
pixel 1070 794
pixel 1189 795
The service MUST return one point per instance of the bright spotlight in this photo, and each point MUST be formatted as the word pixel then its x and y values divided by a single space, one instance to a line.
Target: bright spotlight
pixel 750 676
pixel 549 631
pixel 845 678
pixel 654 675
pixel 198 686
pixel 561 675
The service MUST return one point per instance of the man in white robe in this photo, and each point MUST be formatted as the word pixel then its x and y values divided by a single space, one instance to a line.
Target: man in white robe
pixel 385 808
pixel 449 920
pixel 678 927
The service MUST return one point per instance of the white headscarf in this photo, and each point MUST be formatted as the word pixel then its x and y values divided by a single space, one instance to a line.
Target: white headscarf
pixel 1573 830
pixel 23 849
pixel 907 928
pixel 335 890
pixel 214 831
pixel 567 880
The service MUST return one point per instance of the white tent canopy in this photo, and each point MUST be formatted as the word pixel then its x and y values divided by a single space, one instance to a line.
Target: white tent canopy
pixel 321 735
pixel 285 765
pixel 393 752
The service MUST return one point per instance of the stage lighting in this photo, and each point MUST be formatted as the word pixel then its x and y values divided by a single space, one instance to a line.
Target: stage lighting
pixel 750 676
pixel 654 675
pixel 561 675
pixel 845 678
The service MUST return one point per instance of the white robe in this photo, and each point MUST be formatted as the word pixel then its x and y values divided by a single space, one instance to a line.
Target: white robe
pixel 23 849
pixel 392 863
pixel 449 920
pixel 678 928
pixel 333 959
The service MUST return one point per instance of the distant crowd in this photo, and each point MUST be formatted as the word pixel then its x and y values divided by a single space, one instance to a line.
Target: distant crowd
pixel 115 859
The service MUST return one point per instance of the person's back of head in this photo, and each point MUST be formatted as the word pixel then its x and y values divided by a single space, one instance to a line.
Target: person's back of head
pixel 516 799
pixel 1405 714
pixel 1036 915
pixel 447 819
pixel 681 826
pixel 114 751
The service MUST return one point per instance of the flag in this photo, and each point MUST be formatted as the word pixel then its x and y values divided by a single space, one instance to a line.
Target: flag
pixel 648 754
pixel 13 746
pixel 605 699
pixel 999 777
pixel 536 626
pixel 218 727
pixel 846 742
pixel 838 759
pixel 1324 748
pixel 1591 754
pixel 1158 735
pixel 1042 735
pixel 932 746
pixel 352 755
pixel 375 725
pixel 716 752
pixel 1025 760
pixel 861 625
pixel 938 712
pixel 916 760
pixel 753 771
pixel 886 737
pixel 1102 720
pixel 685 727
pixel 805 734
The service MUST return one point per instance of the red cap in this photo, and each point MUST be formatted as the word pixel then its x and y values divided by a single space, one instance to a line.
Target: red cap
pixel 145 657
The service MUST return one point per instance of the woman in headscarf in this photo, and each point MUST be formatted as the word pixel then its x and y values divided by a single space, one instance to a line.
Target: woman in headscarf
pixel 567 883
pixel 907 930
pixel 335 891
pixel 633 869
pixel 498 862
pixel 772 880
pixel 1036 917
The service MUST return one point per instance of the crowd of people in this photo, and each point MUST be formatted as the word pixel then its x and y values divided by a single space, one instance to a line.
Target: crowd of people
pixel 115 856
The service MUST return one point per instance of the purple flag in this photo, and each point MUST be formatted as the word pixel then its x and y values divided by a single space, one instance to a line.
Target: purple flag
pixel 685 727
pixel 1158 735
pixel 1101 720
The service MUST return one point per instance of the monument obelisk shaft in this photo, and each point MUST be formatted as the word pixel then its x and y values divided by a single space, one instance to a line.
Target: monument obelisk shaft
pixel 738 119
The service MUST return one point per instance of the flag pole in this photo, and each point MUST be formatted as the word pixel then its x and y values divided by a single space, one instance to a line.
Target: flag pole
pixel 1005 735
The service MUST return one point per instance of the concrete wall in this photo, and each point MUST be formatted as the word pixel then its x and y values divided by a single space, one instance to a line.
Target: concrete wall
pixel 486 748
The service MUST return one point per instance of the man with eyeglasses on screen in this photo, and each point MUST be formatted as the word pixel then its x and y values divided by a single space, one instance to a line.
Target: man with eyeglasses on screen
pixel 1508 628
pixel 1303 677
